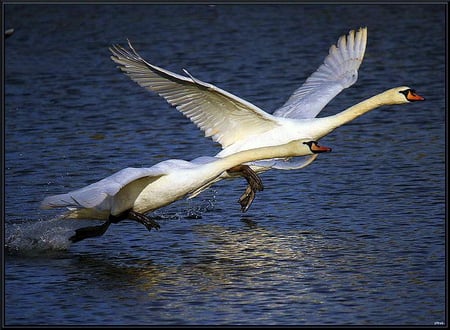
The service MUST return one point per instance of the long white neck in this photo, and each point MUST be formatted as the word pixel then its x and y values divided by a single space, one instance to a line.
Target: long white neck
pixel 292 149
pixel 361 108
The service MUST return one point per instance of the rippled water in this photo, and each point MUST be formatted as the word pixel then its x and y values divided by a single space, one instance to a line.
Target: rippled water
pixel 358 237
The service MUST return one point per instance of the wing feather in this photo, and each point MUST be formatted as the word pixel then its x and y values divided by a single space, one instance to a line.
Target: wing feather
pixel 339 71
pixel 220 114
pixel 99 194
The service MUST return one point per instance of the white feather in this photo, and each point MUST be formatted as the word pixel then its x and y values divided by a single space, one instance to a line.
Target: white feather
pixel 339 71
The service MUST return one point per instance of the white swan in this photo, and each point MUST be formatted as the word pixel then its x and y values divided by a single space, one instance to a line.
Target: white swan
pixel 239 125
pixel 132 192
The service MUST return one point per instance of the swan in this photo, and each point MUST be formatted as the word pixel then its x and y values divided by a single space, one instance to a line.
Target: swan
pixel 239 125
pixel 132 192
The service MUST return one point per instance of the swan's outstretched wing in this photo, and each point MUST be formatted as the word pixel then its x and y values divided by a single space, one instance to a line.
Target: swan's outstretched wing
pixel 339 71
pixel 99 194
pixel 221 115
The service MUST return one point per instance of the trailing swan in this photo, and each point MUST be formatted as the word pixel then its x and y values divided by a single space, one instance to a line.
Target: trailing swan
pixel 132 192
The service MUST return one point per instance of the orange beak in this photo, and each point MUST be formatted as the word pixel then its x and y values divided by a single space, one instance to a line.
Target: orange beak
pixel 319 149
pixel 412 96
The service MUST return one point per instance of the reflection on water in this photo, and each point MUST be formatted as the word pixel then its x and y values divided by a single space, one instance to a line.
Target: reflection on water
pixel 355 238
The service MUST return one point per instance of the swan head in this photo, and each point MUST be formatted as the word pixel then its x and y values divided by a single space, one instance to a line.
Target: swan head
pixel 403 94
pixel 316 148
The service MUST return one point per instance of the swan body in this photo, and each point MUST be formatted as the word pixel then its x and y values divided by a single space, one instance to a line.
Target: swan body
pixel 239 125
pixel 146 189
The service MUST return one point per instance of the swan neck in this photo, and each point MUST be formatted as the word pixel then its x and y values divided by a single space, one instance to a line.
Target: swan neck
pixel 286 150
pixel 360 108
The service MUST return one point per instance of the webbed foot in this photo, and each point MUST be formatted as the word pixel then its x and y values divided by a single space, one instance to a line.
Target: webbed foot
pixel 247 198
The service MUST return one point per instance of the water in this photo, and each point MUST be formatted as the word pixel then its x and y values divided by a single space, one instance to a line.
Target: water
pixel 357 237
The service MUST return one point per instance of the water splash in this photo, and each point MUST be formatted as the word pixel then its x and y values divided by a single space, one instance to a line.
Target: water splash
pixel 37 236
pixel 195 208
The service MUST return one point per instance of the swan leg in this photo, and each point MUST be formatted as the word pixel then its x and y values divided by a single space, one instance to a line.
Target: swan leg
pixel 141 218
pixel 136 216
pixel 91 231
pixel 95 231
pixel 254 184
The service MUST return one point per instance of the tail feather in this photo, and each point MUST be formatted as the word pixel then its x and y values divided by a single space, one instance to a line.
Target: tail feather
pixel 86 198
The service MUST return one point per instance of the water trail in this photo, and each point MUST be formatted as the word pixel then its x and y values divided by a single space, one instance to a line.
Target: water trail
pixel 35 236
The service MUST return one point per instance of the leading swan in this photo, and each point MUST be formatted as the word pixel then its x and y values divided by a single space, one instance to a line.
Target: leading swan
pixel 132 192
pixel 239 125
